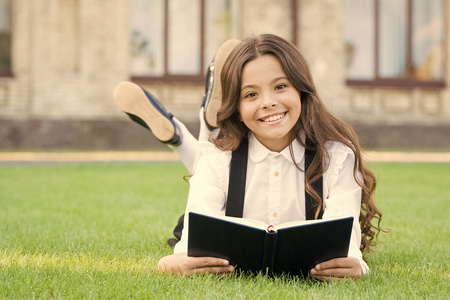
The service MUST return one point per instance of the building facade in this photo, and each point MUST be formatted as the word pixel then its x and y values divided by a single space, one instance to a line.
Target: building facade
pixel 382 66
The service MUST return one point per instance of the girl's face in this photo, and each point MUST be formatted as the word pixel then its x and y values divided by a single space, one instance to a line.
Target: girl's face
pixel 269 104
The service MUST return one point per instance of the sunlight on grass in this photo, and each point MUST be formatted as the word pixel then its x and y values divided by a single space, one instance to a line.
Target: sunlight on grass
pixel 74 262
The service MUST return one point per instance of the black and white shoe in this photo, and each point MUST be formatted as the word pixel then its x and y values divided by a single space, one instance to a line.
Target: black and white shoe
pixel 212 100
pixel 143 108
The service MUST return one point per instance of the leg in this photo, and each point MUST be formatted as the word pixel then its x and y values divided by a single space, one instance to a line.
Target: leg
pixel 212 100
pixel 188 149
pixel 146 110
pixel 213 89
pixel 143 108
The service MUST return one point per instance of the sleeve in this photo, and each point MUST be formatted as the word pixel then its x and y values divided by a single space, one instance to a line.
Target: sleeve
pixel 208 188
pixel 342 195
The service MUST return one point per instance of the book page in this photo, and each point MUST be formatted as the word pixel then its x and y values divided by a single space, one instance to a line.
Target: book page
pixel 264 226
pixel 247 222
pixel 299 223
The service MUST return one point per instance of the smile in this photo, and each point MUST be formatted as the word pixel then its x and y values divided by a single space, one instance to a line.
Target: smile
pixel 273 118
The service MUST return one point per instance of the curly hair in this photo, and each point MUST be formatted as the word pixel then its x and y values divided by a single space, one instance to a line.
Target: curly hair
pixel 315 123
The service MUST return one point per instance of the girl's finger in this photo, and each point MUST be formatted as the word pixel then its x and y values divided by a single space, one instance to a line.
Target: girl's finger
pixel 346 262
pixel 225 270
pixel 200 262
pixel 337 272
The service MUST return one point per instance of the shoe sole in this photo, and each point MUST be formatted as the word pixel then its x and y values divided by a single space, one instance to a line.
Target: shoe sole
pixel 132 100
pixel 215 101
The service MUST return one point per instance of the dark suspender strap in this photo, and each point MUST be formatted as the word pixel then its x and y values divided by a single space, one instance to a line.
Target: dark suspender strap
pixel 316 185
pixel 238 174
pixel 236 185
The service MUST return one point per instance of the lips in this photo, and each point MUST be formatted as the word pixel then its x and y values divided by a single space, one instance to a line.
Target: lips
pixel 273 118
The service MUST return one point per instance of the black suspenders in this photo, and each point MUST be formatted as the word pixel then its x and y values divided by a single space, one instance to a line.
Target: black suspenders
pixel 237 179
pixel 238 173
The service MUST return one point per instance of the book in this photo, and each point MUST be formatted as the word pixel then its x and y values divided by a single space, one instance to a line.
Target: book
pixel 252 246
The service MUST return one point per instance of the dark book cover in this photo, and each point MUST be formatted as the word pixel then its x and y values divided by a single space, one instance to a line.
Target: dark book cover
pixel 294 248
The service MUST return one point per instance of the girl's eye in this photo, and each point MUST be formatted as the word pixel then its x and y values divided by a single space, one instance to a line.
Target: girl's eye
pixel 250 95
pixel 280 86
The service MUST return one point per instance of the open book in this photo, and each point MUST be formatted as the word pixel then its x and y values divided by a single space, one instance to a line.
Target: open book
pixel 291 248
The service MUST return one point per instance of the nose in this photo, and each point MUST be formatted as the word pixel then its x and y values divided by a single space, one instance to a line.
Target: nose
pixel 268 101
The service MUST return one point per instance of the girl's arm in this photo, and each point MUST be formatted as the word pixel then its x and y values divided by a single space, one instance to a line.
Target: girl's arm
pixel 206 195
pixel 180 263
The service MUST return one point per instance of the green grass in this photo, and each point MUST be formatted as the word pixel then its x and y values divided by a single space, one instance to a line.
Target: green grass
pixel 98 231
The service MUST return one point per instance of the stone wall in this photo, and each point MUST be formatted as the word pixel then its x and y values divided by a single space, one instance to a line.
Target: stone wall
pixel 68 55
pixel 321 42
pixel 266 16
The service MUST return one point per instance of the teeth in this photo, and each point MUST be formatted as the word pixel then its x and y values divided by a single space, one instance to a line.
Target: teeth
pixel 273 118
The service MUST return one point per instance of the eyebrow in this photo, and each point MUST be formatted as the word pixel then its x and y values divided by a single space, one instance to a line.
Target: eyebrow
pixel 272 81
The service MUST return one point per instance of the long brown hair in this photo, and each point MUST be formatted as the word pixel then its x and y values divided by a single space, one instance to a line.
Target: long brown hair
pixel 315 122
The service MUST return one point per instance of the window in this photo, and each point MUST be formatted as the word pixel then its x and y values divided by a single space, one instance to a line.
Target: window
pixel 395 42
pixel 5 38
pixel 174 40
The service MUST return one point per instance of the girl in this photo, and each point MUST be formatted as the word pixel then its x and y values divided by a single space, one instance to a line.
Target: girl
pixel 269 96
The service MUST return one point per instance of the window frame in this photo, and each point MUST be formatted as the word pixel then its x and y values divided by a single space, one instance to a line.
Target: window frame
pixel 406 83
pixel 166 77
pixel 200 77
pixel 8 72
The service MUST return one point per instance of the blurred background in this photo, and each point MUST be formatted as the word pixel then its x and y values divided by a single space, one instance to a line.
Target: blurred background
pixel 383 66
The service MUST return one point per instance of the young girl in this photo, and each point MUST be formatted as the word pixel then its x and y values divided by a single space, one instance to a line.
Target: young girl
pixel 269 96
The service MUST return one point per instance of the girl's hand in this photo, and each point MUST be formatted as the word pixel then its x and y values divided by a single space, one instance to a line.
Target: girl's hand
pixel 180 263
pixel 337 269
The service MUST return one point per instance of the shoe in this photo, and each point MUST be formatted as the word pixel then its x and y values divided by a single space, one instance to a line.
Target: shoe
pixel 212 100
pixel 143 108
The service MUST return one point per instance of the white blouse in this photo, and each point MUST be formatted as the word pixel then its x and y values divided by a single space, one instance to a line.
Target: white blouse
pixel 275 188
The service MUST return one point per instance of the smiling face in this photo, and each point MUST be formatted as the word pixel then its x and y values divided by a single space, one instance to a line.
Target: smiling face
pixel 269 104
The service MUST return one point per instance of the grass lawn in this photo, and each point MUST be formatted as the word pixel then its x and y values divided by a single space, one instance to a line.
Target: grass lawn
pixel 98 231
